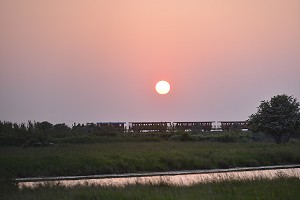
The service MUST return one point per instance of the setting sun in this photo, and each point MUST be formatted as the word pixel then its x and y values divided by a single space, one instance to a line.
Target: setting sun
pixel 162 87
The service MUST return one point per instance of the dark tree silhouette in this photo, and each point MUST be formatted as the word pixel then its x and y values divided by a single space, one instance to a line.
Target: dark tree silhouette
pixel 279 117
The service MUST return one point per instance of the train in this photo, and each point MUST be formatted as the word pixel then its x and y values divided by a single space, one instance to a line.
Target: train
pixel 200 126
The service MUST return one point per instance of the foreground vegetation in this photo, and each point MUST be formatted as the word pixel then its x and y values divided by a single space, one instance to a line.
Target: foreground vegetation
pixel 42 149
pixel 125 157
pixel 281 188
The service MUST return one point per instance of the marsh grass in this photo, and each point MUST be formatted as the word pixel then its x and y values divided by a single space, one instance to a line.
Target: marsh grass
pixel 279 188
pixel 128 157
pixel 223 137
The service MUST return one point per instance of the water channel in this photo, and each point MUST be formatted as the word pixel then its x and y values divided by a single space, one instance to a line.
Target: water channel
pixel 181 178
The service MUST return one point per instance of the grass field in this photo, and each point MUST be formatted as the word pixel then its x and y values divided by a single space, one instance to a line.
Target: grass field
pixel 281 188
pixel 124 157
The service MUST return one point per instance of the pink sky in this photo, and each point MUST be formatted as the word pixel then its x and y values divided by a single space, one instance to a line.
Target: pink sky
pixel 91 61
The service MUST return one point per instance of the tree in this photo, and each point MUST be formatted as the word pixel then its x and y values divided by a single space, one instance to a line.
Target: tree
pixel 61 130
pixel 279 117
pixel 43 129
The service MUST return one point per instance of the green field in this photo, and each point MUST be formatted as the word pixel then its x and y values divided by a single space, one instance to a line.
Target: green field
pixel 124 157
pixel 84 155
pixel 277 189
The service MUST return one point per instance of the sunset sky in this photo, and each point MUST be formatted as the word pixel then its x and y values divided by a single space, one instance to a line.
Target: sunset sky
pixel 81 61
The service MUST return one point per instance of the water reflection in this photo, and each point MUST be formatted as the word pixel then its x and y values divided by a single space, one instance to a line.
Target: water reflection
pixel 181 180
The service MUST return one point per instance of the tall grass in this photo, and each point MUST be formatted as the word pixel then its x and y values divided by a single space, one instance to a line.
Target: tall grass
pixel 281 188
pixel 125 157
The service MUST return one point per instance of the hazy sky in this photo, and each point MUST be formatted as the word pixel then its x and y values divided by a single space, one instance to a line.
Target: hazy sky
pixel 92 60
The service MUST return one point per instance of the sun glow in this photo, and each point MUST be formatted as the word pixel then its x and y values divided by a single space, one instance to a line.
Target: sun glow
pixel 162 87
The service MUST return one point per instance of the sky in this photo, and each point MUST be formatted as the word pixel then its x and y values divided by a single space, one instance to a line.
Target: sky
pixel 67 61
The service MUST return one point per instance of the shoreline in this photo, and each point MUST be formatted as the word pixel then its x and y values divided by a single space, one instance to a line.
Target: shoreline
pixel 150 174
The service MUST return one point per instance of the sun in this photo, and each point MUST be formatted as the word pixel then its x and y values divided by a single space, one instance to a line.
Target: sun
pixel 162 87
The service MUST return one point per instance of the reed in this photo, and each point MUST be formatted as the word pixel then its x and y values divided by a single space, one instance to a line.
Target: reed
pixel 126 157
pixel 280 188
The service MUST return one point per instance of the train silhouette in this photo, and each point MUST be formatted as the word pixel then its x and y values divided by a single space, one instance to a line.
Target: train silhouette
pixel 172 126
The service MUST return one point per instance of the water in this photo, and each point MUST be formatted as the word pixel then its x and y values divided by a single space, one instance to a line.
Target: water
pixel 181 180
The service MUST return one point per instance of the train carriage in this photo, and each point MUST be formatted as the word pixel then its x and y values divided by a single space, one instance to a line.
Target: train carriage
pixel 234 125
pixel 149 126
pixel 192 126
pixel 112 126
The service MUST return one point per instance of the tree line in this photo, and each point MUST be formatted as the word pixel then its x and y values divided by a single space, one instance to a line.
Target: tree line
pixel 17 134
pixel 278 117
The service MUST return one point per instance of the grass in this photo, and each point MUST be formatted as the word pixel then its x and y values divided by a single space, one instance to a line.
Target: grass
pixel 125 157
pixel 280 188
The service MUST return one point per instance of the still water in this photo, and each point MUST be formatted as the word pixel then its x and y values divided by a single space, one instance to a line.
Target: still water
pixel 181 180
